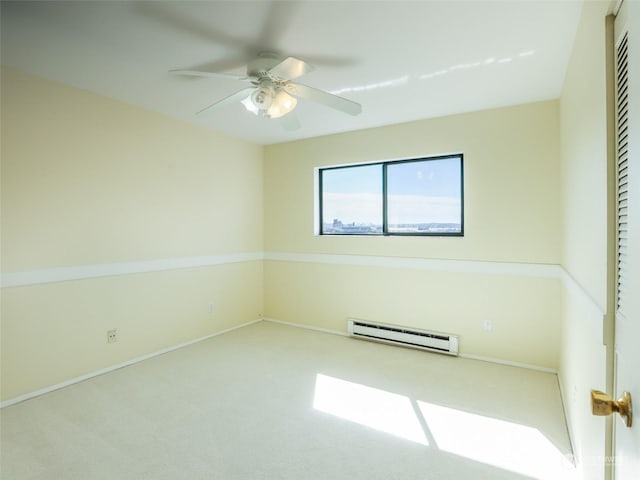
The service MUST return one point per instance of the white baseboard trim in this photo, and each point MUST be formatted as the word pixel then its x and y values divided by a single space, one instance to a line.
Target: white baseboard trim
pixel 509 363
pixel 82 378
pixel 567 418
pixel 307 327
pixel 463 355
pixel 80 272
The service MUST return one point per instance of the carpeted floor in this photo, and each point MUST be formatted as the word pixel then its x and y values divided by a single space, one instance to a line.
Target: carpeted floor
pixel 270 401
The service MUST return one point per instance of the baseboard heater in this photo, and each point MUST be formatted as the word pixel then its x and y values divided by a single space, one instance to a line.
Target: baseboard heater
pixel 404 336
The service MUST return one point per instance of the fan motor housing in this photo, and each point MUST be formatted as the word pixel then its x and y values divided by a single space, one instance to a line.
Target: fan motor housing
pixel 260 66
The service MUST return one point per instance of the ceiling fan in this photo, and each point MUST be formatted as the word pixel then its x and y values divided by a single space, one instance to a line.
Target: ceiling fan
pixel 272 93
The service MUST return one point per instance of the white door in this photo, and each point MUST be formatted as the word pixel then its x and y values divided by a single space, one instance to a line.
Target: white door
pixel 627 320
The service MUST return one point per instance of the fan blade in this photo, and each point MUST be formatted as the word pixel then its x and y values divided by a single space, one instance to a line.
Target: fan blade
pixel 326 98
pixel 291 68
pixel 278 19
pixel 328 60
pixel 290 122
pixel 199 73
pixel 228 64
pixel 176 17
pixel 234 97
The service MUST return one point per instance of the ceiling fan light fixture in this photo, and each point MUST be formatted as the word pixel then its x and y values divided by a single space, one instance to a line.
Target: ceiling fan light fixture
pixel 250 106
pixel 263 97
pixel 282 104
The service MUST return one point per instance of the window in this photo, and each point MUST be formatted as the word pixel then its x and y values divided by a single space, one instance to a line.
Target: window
pixel 405 197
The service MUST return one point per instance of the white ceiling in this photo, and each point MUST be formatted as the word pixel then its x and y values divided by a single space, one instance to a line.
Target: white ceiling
pixel 402 60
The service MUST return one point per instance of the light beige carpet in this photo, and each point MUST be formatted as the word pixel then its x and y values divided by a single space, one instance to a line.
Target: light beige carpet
pixel 270 401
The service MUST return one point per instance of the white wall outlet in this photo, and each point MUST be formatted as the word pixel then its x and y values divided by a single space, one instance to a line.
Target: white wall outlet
pixel 112 336
pixel 211 307
pixel 488 326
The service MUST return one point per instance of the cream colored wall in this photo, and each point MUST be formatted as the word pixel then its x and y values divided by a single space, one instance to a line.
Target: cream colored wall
pixel 88 181
pixel 582 368
pixel 511 186
pixel 584 166
pixel 584 233
pixel 102 182
pixel 523 310
pixel 512 214
pixel 57 331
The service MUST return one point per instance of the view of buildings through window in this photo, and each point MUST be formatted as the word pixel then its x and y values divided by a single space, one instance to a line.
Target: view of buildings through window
pixel 408 197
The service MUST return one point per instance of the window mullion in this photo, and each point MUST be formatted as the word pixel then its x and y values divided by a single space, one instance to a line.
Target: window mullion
pixel 385 228
pixel 321 203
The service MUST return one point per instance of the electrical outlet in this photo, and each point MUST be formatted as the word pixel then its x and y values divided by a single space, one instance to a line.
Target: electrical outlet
pixel 211 307
pixel 112 336
pixel 488 325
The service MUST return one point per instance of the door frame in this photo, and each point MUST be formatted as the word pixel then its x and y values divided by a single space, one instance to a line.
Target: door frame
pixel 612 229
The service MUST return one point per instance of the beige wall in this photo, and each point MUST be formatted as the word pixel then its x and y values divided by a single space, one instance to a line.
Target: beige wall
pixel 584 187
pixel 102 182
pixel 511 186
pixel 89 182
pixel 54 332
pixel 523 310
pixel 584 150
pixel 512 197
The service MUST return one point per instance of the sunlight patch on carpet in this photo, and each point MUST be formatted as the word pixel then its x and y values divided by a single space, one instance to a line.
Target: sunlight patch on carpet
pixel 384 411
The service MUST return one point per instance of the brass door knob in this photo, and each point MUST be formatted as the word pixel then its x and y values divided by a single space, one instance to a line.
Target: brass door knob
pixel 603 405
